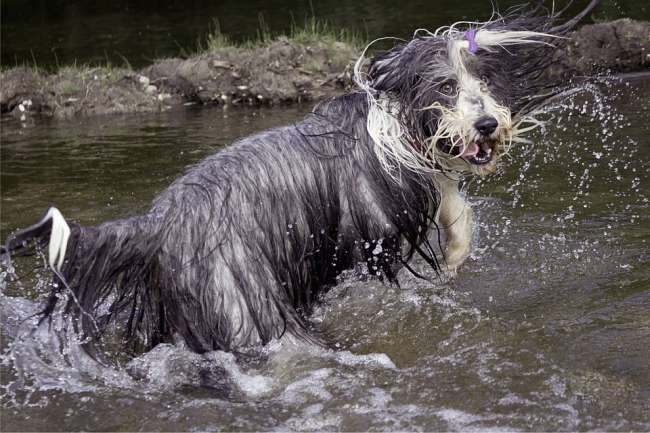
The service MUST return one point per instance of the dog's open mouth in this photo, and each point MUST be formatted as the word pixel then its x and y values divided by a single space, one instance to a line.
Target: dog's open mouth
pixel 478 152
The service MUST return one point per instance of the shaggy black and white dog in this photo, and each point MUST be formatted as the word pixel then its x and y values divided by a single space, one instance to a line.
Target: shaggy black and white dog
pixel 235 252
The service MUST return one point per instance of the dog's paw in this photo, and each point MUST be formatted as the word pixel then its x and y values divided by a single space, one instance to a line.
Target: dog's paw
pixel 450 272
pixel 455 257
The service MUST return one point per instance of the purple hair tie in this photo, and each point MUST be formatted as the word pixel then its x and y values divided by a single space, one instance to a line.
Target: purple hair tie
pixel 470 36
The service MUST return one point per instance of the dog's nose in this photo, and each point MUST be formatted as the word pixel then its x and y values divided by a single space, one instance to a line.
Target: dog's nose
pixel 486 125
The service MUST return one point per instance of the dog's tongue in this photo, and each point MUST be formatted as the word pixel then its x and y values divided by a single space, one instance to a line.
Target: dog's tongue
pixel 470 150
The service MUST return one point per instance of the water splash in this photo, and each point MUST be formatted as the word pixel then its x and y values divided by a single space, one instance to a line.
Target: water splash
pixel 518 340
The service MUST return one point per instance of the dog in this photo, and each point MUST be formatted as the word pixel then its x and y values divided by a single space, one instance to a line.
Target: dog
pixel 235 252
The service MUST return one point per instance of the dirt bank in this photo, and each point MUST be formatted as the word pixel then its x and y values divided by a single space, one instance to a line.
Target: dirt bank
pixel 281 71
pixel 611 47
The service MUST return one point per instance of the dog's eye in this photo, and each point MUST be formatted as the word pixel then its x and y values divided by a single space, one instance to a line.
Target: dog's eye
pixel 485 83
pixel 448 89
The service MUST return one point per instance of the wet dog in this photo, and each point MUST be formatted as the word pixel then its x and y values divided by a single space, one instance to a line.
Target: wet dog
pixel 235 252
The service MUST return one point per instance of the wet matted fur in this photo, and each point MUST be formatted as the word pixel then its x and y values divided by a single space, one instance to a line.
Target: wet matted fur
pixel 235 252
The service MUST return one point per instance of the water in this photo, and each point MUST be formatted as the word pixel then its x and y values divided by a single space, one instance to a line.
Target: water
pixel 546 327
pixel 60 32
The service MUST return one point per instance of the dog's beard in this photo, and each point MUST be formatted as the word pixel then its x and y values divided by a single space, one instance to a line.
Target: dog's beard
pixel 455 145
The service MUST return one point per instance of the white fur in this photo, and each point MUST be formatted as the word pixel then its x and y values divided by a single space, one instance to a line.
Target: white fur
pixel 394 146
pixel 456 126
pixel 58 238
pixel 455 216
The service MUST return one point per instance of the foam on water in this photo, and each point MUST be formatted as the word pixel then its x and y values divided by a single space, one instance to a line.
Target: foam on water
pixel 42 359
pixel 346 357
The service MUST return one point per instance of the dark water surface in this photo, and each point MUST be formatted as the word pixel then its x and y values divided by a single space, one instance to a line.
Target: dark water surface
pixel 546 327
pixel 61 32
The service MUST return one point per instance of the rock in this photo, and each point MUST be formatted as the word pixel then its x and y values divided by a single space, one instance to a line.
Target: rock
pixel 617 46
pixel 16 84
pixel 221 64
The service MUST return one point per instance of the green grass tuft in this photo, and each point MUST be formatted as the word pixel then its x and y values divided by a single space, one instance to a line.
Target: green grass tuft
pixel 312 31
pixel 315 30
pixel 216 40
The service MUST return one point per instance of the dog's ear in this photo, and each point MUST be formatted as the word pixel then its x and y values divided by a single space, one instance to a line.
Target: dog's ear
pixel 403 67
pixel 384 71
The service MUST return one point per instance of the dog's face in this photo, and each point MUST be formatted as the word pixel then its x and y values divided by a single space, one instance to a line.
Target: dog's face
pixel 473 129
pixel 451 95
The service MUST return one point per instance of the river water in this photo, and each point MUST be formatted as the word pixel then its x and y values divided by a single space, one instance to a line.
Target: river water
pixel 546 326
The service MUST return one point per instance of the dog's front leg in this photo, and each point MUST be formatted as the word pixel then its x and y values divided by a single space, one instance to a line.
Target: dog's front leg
pixel 456 217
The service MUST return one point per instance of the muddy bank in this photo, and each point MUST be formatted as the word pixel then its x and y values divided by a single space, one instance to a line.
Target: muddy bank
pixel 282 71
pixel 615 47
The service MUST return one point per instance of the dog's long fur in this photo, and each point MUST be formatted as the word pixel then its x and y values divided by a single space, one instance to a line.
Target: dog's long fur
pixel 234 253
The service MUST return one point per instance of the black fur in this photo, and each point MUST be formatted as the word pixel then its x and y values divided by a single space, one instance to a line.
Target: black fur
pixel 518 76
pixel 235 252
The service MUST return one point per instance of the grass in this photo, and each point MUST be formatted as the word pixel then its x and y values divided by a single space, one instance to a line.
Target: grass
pixel 313 30
pixel 216 39
pixel 79 68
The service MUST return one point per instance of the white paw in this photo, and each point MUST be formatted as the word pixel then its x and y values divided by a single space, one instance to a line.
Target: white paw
pixel 455 257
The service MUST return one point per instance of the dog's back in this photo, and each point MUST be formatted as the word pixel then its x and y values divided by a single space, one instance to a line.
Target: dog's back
pixel 234 253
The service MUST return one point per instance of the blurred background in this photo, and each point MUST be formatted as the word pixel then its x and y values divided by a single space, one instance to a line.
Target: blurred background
pixel 48 33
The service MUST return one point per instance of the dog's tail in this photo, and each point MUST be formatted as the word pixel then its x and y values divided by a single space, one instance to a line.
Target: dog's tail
pixel 103 272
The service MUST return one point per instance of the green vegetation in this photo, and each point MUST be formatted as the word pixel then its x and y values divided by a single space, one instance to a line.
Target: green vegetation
pixel 312 31
pixel 216 40
pixel 315 30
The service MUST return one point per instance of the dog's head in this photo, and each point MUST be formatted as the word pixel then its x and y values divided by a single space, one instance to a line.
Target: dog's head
pixel 450 101
pixel 455 99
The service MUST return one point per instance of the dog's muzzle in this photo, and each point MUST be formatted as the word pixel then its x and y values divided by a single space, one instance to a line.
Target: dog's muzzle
pixel 486 125
pixel 481 151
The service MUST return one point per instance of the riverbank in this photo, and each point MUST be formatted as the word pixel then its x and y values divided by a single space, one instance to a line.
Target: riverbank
pixel 278 70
